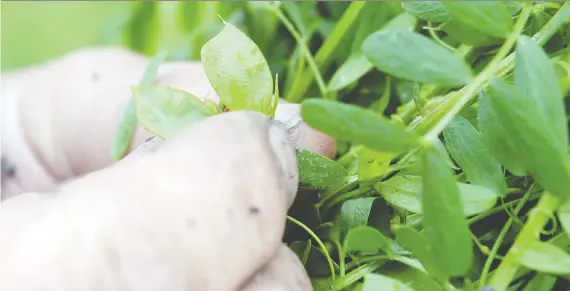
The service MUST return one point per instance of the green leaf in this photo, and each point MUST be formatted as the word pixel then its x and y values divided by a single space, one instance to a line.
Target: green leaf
pixel 513 6
pixel 418 244
pixel 357 65
pixel 465 34
pixel 546 258
pixel 375 282
pixel 165 111
pixel 353 69
pixel 128 123
pixel 495 137
pixel 490 17
pixel 541 282
pixel 564 216
pixel 446 228
pixel 466 147
pixel 372 164
pixel 319 172
pixel 354 213
pixel 427 10
pixel 536 78
pixel 410 55
pixel 404 192
pixel 358 125
pixel 366 239
pixel 537 140
pixel 238 71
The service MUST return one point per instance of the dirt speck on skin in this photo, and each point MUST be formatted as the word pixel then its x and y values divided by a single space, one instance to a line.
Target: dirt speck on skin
pixel 253 210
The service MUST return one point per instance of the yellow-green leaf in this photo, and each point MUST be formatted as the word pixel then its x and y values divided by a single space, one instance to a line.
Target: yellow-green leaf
pixel 165 111
pixel 238 71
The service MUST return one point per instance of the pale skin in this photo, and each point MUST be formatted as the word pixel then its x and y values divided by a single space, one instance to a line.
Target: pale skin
pixel 205 210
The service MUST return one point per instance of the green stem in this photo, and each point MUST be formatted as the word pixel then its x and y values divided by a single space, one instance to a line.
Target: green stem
pixel 346 196
pixel 318 240
pixel 358 261
pixel 355 275
pixel 508 63
pixel 303 45
pixel 325 53
pixel 502 207
pixel 341 259
pixel 457 101
pixel 501 237
pixel 538 217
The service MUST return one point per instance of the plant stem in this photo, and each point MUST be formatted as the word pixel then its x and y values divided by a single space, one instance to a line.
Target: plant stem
pixel 457 101
pixel 492 211
pixel 342 263
pixel 318 240
pixel 355 275
pixel 508 63
pixel 346 196
pixel 501 237
pixel 538 217
pixel 324 54
pixel 303 45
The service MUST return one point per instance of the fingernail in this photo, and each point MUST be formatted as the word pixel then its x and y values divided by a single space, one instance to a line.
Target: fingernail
pixel 284 152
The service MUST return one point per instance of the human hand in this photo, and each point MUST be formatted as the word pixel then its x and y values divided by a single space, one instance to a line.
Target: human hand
pixel 202 211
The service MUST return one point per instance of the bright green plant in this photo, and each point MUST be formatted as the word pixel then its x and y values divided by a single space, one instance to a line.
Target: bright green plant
pixel 452 131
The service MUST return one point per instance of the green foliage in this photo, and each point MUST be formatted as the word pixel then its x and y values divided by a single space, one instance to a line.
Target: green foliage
pixel 467 149
pixel 446 229
pixel 239 72
pixel 396 51
pixel 354 124
pixel 392 211
pixel 164 111
pixel 318 172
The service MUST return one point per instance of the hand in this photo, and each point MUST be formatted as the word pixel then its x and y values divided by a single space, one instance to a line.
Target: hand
pixel 204 210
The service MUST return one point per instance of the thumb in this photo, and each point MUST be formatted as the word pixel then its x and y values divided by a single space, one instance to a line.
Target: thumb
pixel 210 203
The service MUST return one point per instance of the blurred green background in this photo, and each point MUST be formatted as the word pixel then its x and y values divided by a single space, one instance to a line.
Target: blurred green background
pixel 36 31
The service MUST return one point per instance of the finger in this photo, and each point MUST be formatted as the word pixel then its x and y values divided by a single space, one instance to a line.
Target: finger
pixel 202 212
pixel 283 273
pixel 59 119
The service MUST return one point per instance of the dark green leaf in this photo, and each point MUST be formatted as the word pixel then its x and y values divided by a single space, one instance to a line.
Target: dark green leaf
pixel 404 192
pixel 546 258
pixel 490 17
pixel 165 111
pixel 354 213
pixel 528 127
pixel 366 239
pixel 238 71
pixel 465 34
pixel 128 123
pixel 446 228
pixel 418 244
pixel 399 51
pixel 535 77
pixel 372 164
pixel 375 282
pixel 427 10
pixel 495 137
pixel 466 147
pixel 319 172
pixel 355 124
